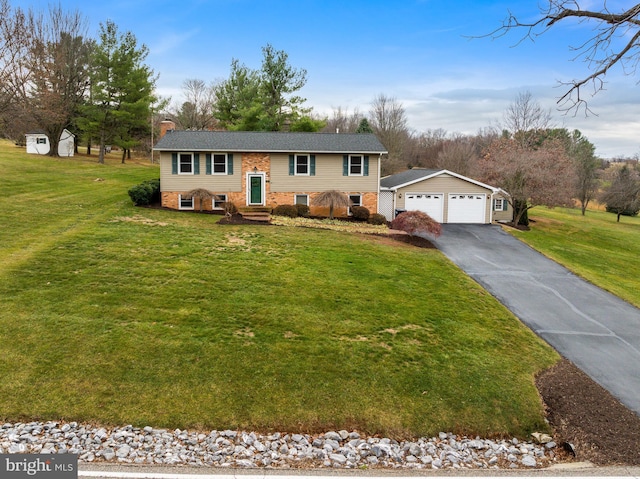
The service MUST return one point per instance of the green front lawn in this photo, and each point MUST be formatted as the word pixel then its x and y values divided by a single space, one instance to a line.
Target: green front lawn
pixel 593 246
pixel 124 315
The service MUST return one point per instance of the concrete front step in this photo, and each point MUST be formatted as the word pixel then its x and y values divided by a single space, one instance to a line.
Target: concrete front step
pixel 254 209
pixel 256 214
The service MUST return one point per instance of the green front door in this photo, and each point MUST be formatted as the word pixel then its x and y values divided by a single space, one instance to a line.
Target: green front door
pixel 256 190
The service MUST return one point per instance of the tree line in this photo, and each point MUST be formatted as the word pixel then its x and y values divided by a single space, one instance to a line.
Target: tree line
pixel 53 76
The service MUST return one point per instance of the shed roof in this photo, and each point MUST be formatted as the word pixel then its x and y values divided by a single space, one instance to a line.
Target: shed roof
pixel 270 142
pixel 43 133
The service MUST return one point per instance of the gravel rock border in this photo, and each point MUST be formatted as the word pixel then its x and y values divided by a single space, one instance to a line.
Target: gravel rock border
pixel 238 449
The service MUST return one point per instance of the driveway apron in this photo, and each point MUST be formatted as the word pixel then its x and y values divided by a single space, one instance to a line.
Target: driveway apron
pixel 597 331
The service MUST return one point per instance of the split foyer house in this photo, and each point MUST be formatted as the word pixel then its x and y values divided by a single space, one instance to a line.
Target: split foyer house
pixel 267 169
pixel 446 196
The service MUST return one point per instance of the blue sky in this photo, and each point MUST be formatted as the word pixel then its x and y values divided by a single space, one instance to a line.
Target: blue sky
pixel 417 51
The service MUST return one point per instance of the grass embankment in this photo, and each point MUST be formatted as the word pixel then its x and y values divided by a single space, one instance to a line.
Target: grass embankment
pixel 116 314
pixel 593 246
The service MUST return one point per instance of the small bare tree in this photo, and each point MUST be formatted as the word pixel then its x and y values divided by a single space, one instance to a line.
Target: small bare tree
pixel 331 199
pixel 201 194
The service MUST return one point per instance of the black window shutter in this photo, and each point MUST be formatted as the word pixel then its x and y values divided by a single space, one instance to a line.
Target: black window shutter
pixel 345 165
pixel 196 163
pixel 230 164
pixel 365 167
pixel 208 160
pixel 292 165
pixel 312 165
pixel 174 163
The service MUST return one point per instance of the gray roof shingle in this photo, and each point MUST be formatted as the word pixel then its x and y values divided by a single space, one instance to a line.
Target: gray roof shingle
pixel 407 176
pixel 270 142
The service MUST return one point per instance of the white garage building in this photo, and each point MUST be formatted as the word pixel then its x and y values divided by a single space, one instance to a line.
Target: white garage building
pixel 445 196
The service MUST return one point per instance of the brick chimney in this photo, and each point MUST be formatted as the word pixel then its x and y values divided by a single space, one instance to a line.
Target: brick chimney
pixel 166 126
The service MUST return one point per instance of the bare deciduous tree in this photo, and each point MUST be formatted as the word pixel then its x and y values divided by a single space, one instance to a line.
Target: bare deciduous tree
pixel 196 113
pixel 423 149
pixel 615 40
pixel 458 155
pixel 43 66
pixel 50 81
pixel 14 42
pixel 541 177
pixel 341 121
pixel 622 197
pixel 389 122
pixel 524 119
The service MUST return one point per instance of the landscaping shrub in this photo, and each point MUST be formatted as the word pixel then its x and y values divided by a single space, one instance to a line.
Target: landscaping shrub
pixel 633 211
pixel 360 213
pixel 140 194
pixel 155 186
pixel 414 222
pixel 145 193
pixel 286 210
pixel 377 219
pixel 303 210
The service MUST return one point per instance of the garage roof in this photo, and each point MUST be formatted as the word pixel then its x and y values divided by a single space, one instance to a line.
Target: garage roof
pixel 416 175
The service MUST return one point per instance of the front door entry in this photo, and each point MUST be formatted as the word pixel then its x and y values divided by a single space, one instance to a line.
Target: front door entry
pixel 255 190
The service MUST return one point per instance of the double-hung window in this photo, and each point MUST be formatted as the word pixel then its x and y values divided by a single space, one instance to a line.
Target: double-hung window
pixel 218 200
pixel 185 164
pixel 355 165
pixel 356 200
pixel 219 164
pixel 302 164
pixel 185 203
pixel 499 204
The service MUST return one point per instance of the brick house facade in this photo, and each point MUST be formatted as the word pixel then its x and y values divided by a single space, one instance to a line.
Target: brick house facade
pixel 268 169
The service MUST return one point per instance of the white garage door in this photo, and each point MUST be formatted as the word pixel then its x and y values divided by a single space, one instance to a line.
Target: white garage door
pixel 430 203
pixel 466 208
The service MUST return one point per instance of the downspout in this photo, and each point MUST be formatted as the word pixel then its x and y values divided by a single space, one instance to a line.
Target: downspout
pixel 395 199
pixel 491 207
pixel 379 171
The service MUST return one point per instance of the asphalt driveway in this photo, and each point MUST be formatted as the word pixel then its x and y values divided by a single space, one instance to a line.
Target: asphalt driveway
pixel 597 331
